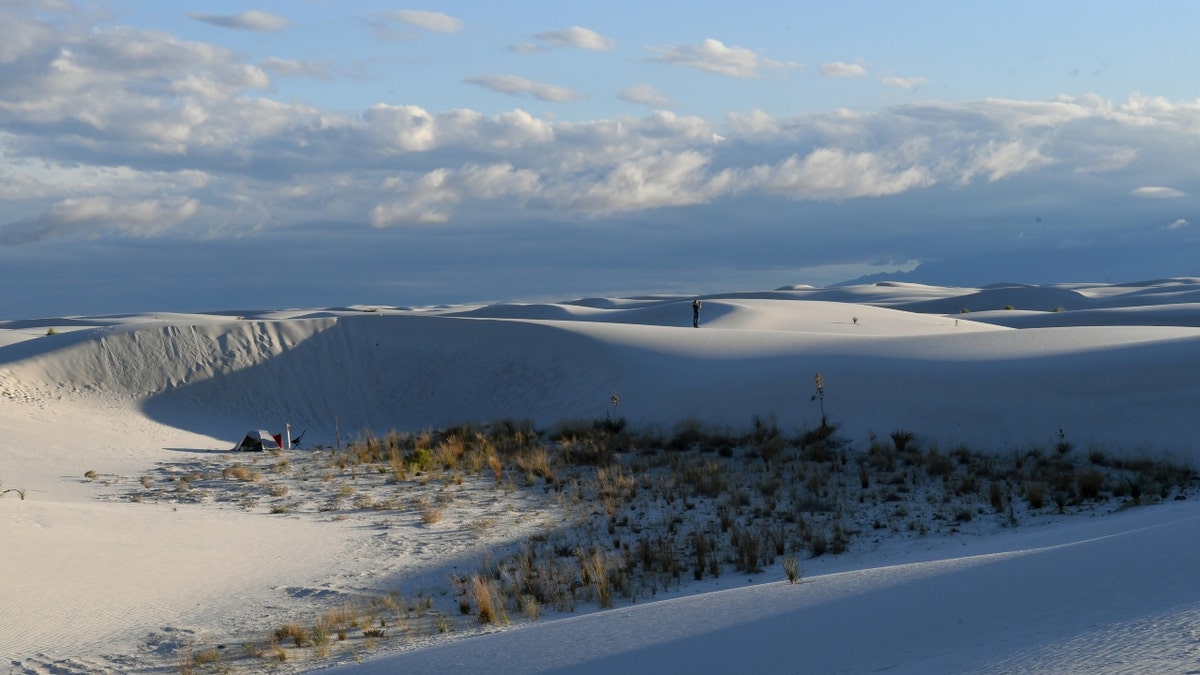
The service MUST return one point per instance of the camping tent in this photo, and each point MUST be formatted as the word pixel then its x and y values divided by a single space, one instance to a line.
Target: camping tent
pixel 257 441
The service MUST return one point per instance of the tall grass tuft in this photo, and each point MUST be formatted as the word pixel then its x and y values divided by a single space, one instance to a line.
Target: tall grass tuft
pixel 791 567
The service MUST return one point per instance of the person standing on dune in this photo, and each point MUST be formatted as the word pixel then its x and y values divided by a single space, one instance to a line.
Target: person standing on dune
pixel 696 313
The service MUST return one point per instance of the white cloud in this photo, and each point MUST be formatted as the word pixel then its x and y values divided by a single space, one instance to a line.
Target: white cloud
pixel 96 214
pixel 405 128
pixel 1155 192
pixel 432 197
pixel 427 200
pixel 248 20
pixel 754 123
pixel 519 86
pixel 1179 224
pixel 828 174
pixel 839 69
pixel 644 94
pixel 432 21
pixel 578 37
pixel 665 179
pixel 191 124
pixel 998 160
pixel 904 82
pixel 714 57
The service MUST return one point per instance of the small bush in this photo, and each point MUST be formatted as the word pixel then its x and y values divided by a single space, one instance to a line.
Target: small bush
pixel 1091 482
pixel 791 567
pixel 293 631
pixel 1035 493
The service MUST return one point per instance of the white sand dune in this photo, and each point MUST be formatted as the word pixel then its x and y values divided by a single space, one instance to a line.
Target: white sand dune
pixel 95 583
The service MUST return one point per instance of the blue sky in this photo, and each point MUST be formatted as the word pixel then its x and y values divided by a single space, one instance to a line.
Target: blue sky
pixel 221 155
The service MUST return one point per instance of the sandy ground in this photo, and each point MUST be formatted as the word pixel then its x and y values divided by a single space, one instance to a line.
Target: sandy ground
pixel 97 579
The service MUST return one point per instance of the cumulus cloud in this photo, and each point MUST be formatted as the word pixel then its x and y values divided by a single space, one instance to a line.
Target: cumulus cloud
pixel 578 37
pixel 713 56
pixel 248 20
pixel 904 82
pixel 1157 192
pixel 431 21
pixel 832 174
pixel 998 160
pixel 1179 223
pixel 665 179
pixel 431 198
pixel 519 86
pixel 93 215
pixel 644 94
pixel 839 69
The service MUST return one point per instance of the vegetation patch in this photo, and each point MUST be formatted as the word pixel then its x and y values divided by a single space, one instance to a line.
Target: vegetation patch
pixel 628 515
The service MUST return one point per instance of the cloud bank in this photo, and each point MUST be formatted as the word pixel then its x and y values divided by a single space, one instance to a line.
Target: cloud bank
pixel 119 132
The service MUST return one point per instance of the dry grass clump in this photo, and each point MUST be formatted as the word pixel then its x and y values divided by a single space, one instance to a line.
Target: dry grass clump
pixel 241 472
pixel 293 631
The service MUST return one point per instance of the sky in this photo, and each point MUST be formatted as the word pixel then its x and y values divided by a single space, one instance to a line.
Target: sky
pixel 201 156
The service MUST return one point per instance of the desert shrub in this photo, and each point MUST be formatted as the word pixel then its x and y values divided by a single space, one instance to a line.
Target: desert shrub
pixel 1134 487
pixel 996 496
pixel 1091 482
pixel 746 545
pixel 420 459
pixel 488 608
pixel 770 449
pixel 535 461
pixel 432 515
pixel 1035 494
pixel 207 656
pixel 293 631
pixel 791 567
pixel 610 425
pixel 818 545
pixel 708 479
pixel 938 465
pixel 901 438
pixel 688 433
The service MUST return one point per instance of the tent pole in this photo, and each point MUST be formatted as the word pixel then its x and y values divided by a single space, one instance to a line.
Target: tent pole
pixel 288 426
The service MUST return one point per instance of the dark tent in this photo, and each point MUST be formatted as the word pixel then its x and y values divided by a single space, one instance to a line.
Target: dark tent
pixel 257 441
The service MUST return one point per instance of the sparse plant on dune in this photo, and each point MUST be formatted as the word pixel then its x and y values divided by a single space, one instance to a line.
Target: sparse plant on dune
pixel 791 567
pixel 487 609
pixel 293 631
pixel 819 381
pixel 901 438
pixel 1062 445
pixel 20 492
